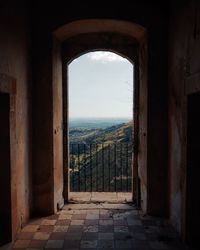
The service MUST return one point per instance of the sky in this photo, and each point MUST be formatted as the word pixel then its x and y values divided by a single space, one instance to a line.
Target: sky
pixel 100 86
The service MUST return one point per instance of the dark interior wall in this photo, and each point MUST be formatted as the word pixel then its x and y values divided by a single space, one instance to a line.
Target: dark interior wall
pixel 157 141
pixel 43 184
pixel 193 171
pixel 184 79
pixel 5 181
pixel 14 61
pixel 45 21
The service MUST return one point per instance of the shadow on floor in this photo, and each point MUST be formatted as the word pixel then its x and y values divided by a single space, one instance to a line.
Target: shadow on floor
pixel 98 226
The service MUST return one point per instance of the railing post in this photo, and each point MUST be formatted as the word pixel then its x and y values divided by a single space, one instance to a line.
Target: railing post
pixel 91 167
pixel 103 167
pixel 121 166
pixel 96 148
pixel 127 145
pixel 109 167
pixel 84 159
pixel 84 151
pixel 79 180
pixel 115 164
pixel 72 168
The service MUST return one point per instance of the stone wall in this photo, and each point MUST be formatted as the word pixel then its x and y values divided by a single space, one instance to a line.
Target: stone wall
pixel 184 79
pixel 15 62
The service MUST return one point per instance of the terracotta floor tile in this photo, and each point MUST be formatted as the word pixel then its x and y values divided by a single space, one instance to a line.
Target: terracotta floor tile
pixel 93 211
pixel 140 236
pixel 157 245
pixel 46 228
pixel 53 217
pixel 106 229
pixel 48 222
pixel 77 222
pixel 57 236
pixel 121 229
pixel 104 211
pixel 66 211
pixel 37 244
pixel 123 243
pixel 120 222
pixel 36 221
pixel 41 236
pixel 78 216
pixel 123 235
pixel 30 228
pixel 106 222
pixel 73 236
pixel 141 244
pixel 65 217
pixel 75 229
pixel 92 216
pixel 62 222
pixel 71 244
pixel 60 228
pixel 105 216
pixel 88 243
pixel 92 229
pixel 91 222
pixel 54 244
pixel 106 236
pixel 106 244
pixel 89 236
pixel 73 249
pixel 21 244
pixel 25 236
pixel 136 229
pixel 132 222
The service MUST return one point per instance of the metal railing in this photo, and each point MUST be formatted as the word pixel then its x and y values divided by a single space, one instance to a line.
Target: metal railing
pixel 101 167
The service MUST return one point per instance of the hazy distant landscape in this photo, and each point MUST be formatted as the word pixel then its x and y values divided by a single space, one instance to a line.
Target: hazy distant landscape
pixel 95 122
pixel 100 130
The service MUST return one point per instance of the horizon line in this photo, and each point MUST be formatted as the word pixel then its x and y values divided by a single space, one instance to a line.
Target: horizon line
pixel 101 117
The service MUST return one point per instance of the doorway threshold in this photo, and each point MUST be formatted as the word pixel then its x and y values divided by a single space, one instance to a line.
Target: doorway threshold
pixel 100 197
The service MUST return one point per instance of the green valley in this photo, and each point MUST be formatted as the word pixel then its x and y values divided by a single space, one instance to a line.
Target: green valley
pixel 100 159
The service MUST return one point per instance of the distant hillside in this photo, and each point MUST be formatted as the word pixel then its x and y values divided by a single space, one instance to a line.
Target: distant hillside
pixel 104 154
pixel 117 133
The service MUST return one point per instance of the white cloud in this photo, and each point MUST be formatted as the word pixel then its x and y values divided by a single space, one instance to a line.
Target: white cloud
pixel 104 56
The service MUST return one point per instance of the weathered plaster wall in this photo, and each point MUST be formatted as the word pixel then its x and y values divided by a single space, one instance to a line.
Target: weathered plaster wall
pixel 58 126
pixel 184 78
pixel 43 184
pixel 14 61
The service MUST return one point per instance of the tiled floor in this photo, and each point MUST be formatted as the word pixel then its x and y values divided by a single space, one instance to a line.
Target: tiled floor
pixel 98 226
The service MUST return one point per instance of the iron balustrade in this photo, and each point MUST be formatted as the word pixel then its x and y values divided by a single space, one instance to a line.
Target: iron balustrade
pixel 101 167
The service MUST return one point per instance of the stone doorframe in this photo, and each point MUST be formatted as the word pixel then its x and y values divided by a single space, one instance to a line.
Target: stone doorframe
pixel 62 54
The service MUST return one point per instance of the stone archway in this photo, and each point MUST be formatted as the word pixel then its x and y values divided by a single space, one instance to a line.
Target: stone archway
pixel 127 31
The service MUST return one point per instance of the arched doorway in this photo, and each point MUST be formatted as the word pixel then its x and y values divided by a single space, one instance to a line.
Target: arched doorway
pixel 79 37
pixel 100 127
